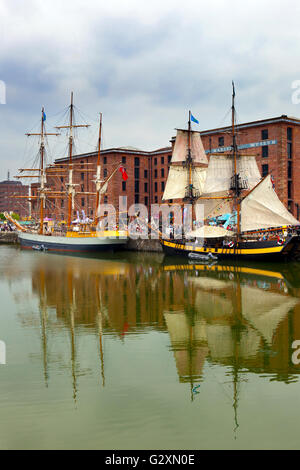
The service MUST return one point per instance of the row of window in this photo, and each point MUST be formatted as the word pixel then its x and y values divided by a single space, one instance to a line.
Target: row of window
pixel 264 136
pixel 137 160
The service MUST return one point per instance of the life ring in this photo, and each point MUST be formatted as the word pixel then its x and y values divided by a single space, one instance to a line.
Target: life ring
pixel 231 244
pixel 280 241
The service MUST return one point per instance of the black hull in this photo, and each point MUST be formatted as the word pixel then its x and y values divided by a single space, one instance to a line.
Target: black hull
pixel 258 250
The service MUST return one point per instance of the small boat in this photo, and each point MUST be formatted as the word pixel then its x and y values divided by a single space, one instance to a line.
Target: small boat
pixel 203 257
pixel 39 248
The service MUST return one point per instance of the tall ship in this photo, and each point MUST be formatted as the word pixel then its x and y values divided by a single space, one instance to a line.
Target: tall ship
pixel 241 216
pixel 81 235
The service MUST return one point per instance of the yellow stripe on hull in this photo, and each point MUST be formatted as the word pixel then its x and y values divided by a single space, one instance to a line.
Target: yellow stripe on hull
pixel 225 251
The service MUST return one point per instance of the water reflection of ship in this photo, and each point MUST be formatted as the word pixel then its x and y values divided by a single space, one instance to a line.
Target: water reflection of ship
pixel 82 293
pixel 215 308
pixel 239 318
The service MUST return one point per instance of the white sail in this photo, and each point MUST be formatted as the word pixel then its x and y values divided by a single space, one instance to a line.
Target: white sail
pixel 181 147
pixel 177 182
pixel 265 310
pixel 215 207
pixel 263 209
pixel 220 171
pixel 210 231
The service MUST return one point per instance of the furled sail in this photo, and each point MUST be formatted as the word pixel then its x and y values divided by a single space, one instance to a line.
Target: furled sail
pixel 209 231
pixel 263 209
pixel 220 171
pixel 177 182
pixel 181 147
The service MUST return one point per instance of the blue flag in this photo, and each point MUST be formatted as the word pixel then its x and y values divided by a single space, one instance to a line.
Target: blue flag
pixel 44 117
pixel 194 119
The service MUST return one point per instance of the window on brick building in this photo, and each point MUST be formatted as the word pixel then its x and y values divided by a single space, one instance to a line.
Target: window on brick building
pixel 156 199
pixel 62 179
pixel 123 159
pixel 221 141
pixel 289 133
pixel 155 173
pixel 145 173
pixel 265 170
pixel 146 200
pixel 290 190
pixel 82 188
pixel 155 161
pixel 137 173
pixel 136 186
pixel 155 187
pixel 82 202
pixel 162 160
pixel 62 203
pixel 105 199
pixel 162 185
pixel 136 161
pixel 123 185
pixel 169 158
pixel 264 134
pixel 136 199
pixel 289 149
pixel 265 151
pixel 146 187
pixel 104 160
pixel 290 170
pixel 105 173
pixel 82 176
pixel 162 173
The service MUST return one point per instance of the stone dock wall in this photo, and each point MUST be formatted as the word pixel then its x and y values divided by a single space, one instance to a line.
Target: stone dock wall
pixel 150 246
pixel 8 238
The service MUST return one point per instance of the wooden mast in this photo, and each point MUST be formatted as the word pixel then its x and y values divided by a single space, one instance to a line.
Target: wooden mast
pixel 41 170
pixel 42 187
pixel 98 181
pixel 190 161
pixel 71 186
pixel 236 179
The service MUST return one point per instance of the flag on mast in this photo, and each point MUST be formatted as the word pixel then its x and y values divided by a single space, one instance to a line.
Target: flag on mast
pixel 194 119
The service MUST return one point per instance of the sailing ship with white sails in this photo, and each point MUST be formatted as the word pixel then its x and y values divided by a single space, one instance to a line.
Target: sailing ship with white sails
pixel 78 238
pixel 228 186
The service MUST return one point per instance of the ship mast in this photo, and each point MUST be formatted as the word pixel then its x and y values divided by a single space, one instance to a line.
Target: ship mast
pixel 42 173
pixel 71 185
pixel 189 163
pixel 236 178
pixel 98 180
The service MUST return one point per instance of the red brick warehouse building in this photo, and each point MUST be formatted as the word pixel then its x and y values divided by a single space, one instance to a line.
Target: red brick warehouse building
pixel 274 141
pixel 147 173
pixel 8 202
pixel 276 144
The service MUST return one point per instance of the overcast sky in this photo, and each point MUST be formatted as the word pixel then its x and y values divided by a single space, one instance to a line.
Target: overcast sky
pixel 143 64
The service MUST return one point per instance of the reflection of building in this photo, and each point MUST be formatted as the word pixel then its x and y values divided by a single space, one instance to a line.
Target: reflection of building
pixel 237 317
pixel 242 319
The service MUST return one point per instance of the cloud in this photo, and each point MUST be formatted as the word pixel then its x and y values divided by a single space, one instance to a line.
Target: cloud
pixel 143 64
